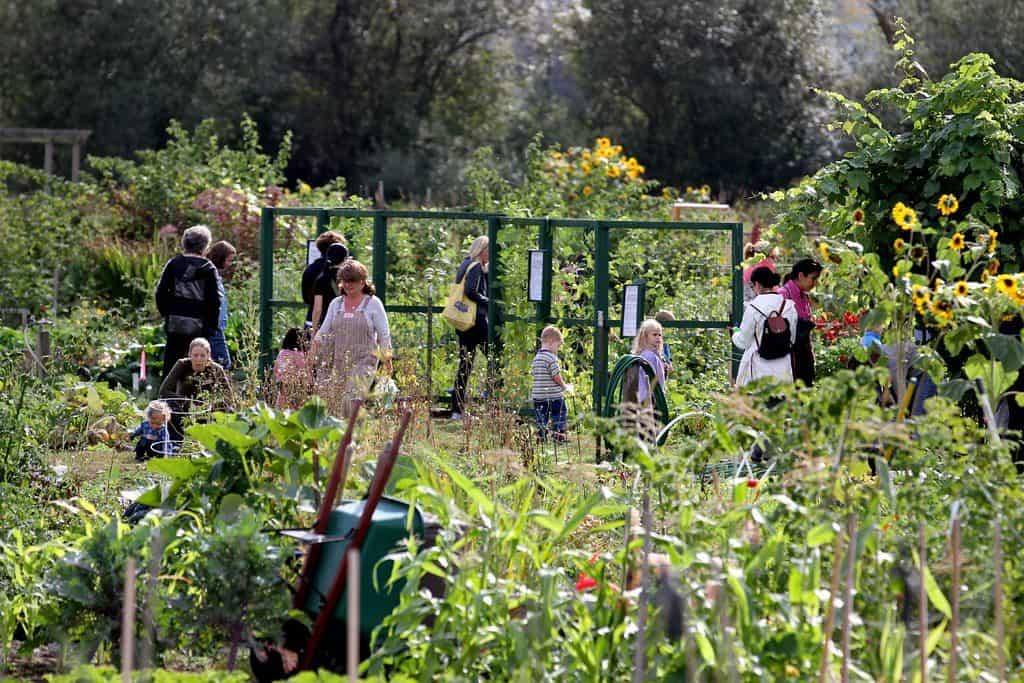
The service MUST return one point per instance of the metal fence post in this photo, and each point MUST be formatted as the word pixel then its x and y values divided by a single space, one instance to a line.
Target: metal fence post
pixel 266 285
pixel 493 294
pixel 322 221
pixel 603 247
pixel 737 290
pixel 545 242
pixel 380 255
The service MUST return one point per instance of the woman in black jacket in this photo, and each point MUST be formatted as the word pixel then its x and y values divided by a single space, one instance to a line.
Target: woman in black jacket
pixel 474 269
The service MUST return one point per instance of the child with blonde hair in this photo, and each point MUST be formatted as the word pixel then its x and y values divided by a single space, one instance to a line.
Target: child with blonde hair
pixel 549 388
pixel 648 345
pixel 153 431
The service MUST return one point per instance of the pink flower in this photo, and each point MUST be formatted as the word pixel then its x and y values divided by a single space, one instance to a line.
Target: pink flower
pixel 168 230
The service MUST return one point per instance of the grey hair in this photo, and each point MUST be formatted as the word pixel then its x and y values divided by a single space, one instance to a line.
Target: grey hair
pixel 478 246
pixel 196 239
pixel 200 341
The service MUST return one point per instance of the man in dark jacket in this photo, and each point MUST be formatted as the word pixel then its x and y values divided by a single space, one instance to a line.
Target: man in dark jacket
pixel 314 269
pixel 187 296
pixel 472 270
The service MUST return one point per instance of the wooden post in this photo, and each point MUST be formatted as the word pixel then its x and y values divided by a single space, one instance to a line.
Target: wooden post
pixel 922 603
pixel 76 160
pixel 128 622
pixel 954 597
pixel 640 654
pixel 997 555
pixel 830 612
pixel 48 158
pixel 352 616
pixel 851 564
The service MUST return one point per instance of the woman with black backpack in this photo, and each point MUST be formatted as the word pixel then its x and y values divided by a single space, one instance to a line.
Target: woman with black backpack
pixel 767 332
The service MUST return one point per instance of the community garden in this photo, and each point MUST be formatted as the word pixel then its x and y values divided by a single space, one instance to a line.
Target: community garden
pixel 869 544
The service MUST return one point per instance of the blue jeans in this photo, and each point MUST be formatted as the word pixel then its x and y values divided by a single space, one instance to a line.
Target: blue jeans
pixel 219 350
pixel 550 410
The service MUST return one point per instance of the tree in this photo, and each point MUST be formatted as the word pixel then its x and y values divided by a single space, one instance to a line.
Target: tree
pixel 715 90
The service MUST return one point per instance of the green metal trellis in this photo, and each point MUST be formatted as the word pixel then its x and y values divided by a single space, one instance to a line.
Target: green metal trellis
pixel 546 227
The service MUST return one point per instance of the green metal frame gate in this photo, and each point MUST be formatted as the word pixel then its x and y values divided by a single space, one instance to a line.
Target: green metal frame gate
pixel 545 241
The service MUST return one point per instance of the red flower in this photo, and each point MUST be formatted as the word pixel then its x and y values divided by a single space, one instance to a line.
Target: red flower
pixel 585 583
pixel 752 483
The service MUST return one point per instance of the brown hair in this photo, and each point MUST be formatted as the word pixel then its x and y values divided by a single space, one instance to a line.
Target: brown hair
pixel 218 253
pixel 328 238
pixel 354 271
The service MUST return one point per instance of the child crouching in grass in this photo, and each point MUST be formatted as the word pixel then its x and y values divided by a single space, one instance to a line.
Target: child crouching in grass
pixel 152 431
pixel 549 388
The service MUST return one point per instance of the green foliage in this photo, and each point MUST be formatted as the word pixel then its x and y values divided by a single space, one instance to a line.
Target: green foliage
pixel 959 135
pixel 108 674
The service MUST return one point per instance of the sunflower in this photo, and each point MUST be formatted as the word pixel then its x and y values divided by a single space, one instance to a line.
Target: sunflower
pixel 1007 284
pixel 899 245
pixel 587 191
pixel 956 242
pixel 705 189
pixel 896 271
pixel 824 251
pixel 960 289
pixel 858 216
pixel 613 171
pixel 921 294
pixel 938 284
pixel 689 189
pixel 1017 296
pixel 947 205
pixel 909 219
pixel 943 311
pixel 918 252
pixel 993 240
pixel 602 143
pixel 899 213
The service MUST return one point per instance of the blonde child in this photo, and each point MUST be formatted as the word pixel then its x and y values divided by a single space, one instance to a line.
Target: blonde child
pixel 152 431
pixel 549 388
pixel 648 345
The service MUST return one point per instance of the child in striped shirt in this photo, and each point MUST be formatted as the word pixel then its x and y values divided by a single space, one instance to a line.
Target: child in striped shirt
pixel 549 388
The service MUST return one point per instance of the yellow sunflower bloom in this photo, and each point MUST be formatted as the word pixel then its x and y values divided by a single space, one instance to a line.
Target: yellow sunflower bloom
pixel 960 289
pixel 921 294
pixel 858 216
pixel 1007 284
pixel 705 189
pixel 825 253
pixel 689 189
pixel 613 171
pixel 304 188
pixel 909 219
pixel 895 271
pixel 603 143
pixel 1017 296
pixel 943 311
pixel 899 245
pixel 947 205
pixel 632 162
pixel 956 242
pixel 993 240
pixel 587 191
pixel 586 167
pixel 897 213
pixel 641 169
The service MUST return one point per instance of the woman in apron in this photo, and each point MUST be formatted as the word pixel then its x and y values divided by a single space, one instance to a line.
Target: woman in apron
pixel 353 340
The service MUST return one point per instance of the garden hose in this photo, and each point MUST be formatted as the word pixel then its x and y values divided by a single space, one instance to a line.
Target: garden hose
pixel 611 404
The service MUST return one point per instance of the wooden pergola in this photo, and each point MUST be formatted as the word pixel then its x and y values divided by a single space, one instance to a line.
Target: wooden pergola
pixel 50 137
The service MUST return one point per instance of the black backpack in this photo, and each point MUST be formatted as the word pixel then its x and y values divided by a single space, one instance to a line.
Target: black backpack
pixel 776 341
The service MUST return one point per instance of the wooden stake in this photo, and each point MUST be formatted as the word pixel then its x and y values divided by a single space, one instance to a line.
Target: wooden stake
pixel 128 622
pixel 997 555
pixel 851 564
pixel 353 616
pixel 830 612
pixel 954 601
pixel 640 654
pixel 922 603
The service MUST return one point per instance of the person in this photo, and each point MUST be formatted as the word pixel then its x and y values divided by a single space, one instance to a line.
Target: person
pixel 648 345
pixel 313 270
pixel 751 250
pixel 222 255
pixel 549 388
pixel 187 296
pixel 751 333
pixel 326 284
pixel 800 280
pixel 354 336
pixel 665 316
pixel 196 376
pixel 473 271
pixel 153 432
pixel 290 370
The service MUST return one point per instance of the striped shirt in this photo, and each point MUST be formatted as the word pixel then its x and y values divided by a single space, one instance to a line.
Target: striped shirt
pixel 545 369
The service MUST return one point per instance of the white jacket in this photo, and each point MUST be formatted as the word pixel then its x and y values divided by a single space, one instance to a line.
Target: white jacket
pixel 752 365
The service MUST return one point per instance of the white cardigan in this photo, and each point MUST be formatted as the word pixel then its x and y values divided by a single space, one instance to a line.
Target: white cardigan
pixel 752 365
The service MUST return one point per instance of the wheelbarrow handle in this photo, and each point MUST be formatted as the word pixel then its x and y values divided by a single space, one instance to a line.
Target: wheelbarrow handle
pixel 385 464
pixel 323 516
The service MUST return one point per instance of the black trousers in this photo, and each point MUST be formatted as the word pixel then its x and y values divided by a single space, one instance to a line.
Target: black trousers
pixel 175 349
pixel 468 343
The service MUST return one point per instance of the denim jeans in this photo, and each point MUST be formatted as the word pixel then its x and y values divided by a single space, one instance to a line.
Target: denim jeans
pixel 551 411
